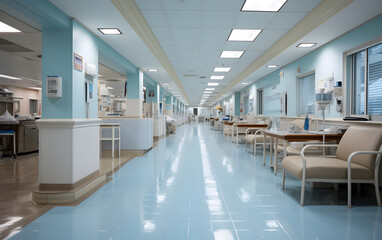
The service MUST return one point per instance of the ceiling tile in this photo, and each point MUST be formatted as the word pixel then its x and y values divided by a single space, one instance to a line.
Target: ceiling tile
pixel 214 19
pixel 182 4
pixel 183 19
pixel 260 46
pixel 181 34
pixel 214 34
pixel 300 6
pixel 186 45
pixel 251 20
pixel 271 35
pixel 237 45
pixel 162 33
pixel 222 5
pixel 155 18
pixel 148 4
pixel 285 20
pixel 212 45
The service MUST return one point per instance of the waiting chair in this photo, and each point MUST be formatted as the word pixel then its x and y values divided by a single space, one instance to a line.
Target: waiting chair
pixel 357 160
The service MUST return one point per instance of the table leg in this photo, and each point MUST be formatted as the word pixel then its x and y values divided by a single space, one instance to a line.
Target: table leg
pixel 276 156
pixel 264 148
pixel 119 142
pixel 14 145
pixel 237 136
pixel 112 142
pixel 271 152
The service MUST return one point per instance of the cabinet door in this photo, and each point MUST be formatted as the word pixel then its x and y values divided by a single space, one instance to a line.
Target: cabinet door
pixel 31 138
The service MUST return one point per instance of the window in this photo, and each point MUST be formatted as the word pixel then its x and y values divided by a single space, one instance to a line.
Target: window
pixel 260 104
pixel 307 86
pixel 32 106
pixel 367 81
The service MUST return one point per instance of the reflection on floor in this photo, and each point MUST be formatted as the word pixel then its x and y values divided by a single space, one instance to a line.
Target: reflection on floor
pixel 197 185
pixel 19 177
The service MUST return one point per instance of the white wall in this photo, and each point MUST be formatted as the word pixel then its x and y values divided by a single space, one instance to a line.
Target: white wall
pixel 26 94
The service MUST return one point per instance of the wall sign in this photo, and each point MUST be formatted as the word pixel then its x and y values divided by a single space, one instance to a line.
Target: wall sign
pixel 78 63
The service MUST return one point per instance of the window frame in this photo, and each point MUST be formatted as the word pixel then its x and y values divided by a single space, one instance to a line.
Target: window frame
pixel 298 79
pixel 349 73
pixel 35 101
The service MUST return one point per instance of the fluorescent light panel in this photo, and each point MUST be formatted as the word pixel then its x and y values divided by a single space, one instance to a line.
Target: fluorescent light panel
pixel 243 35
pixel 110 31
pixel 272 66
pixel 263 5
pixel 222 69
pixel 216 77
pixel 5 28
pixel 35 88
pixel 244 83
pixel 9 77
pixel 213 84
pixel 207 92
pixel 231 54
pixel 210 89
pixel 306 45
pixel 152 70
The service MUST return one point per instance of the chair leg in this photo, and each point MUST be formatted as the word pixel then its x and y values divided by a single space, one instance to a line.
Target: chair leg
pixel 349 194
pixel 377 194
pixel 284 175
pixel 302 193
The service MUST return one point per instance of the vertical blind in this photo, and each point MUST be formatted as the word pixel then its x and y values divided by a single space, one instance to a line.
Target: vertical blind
pixel 307 94
pixel 372 97
pixel 374 90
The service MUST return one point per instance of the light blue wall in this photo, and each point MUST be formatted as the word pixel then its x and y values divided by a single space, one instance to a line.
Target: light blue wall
pixel 57 52
pixel 84 44
pixel 326 61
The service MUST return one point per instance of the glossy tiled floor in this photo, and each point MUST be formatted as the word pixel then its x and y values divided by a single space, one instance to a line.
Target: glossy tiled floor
pixel 197 185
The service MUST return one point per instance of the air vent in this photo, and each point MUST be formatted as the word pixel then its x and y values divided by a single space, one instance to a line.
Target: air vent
pixel 8 46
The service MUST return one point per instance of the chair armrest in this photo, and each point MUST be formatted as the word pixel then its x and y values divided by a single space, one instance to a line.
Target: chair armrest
pixel 249 130
pixel 315 145
pixel 353 154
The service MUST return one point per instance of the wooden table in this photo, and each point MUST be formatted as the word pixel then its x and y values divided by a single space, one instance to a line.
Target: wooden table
pixel 287 136
pixel 245 126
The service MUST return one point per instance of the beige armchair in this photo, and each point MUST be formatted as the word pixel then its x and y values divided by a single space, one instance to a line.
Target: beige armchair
pixel 357 160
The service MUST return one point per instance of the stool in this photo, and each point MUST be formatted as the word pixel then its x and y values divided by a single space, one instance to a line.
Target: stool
pixel 113 127
pixel 13 134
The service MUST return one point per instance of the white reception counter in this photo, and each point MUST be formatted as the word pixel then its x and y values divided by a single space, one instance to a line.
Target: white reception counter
pixel 136 133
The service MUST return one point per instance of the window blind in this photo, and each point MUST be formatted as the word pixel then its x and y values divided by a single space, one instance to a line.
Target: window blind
pixel 374 92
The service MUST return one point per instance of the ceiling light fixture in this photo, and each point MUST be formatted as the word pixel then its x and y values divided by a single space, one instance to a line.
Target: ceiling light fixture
pixel 5 28
pixel 306 45
pixel 263 6
pixel 210 89
pixel 222 69
pixel 207 92
pixel 110 31
pixel 213 84
pixel 244 83
pixel 35 88
pixel 243 35
pixel 272 66
pixel 152 70
pixel 231 54
pixel 216 77
pixel 9 77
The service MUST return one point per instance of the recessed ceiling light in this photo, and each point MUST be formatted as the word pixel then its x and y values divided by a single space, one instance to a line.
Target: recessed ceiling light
pixel 306 45
pixel 207 92
pixel 245 35
pixel 110 88
pixel 9 77
pixel 213 84
pixel 216 77
pixel 231 54
pixel 35 88
pixel 244 83
pixel 210 89
pixel 152 70
pixel 222 69
pixel 272 66
pixel 110 31
pixel 263 6
pixel 5 28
